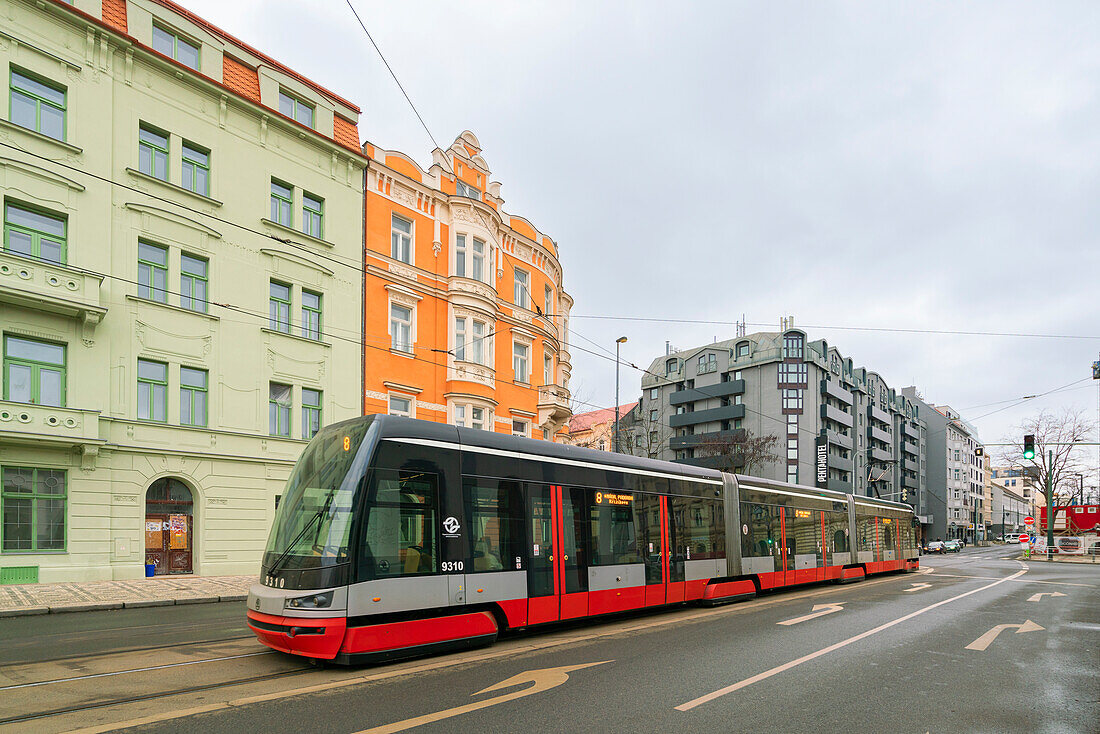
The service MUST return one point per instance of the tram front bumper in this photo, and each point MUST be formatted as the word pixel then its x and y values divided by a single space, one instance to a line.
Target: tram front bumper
pixel 312 637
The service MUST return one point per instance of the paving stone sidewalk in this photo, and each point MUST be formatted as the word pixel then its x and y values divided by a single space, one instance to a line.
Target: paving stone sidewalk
pixel 22 599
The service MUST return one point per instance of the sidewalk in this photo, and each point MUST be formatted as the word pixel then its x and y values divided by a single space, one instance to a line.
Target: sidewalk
pixel 1060 558
pixel 22 599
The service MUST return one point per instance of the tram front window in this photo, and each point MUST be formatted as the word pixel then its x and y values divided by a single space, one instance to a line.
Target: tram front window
pixel 313 523
pixel 400 535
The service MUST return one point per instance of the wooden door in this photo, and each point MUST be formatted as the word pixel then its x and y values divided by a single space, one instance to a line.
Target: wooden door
pixel 168 542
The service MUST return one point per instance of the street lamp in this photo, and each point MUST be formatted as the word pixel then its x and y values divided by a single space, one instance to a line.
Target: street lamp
pixel 618 342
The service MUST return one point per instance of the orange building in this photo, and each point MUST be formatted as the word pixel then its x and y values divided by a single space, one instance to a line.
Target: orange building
pixel 465 320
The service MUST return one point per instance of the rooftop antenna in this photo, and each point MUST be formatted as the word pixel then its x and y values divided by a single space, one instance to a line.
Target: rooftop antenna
pixel 741 326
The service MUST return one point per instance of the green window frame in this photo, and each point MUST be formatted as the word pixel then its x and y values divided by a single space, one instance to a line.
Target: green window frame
pixel 152 271
pixel 278 414
pixel 152 384
pixel 279 307
pixel 311 412
pixel 311 315
pixel 37 104
pixel 34 371
pixel 282 203
pixel 313 215
pixel 194 283
pixel 193 396
pixel 195 169
pixel 296 108
pixel 153 152
pixel 34 503
pixel 175 46
pixel 34 232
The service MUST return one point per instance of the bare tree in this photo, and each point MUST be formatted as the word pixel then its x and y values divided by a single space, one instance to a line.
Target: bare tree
pixel 749 453
pixel 1058 457
pixel 642 436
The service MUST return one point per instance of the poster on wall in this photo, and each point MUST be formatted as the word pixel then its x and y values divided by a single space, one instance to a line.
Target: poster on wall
pixel 177 529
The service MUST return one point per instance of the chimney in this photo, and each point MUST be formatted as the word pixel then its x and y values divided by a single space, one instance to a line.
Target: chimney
pixel 668 347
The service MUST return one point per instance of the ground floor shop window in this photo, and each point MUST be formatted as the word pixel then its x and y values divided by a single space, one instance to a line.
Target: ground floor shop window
pixel 33 505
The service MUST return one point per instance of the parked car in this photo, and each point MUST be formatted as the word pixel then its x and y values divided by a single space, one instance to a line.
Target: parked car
pixel 952 546
pixel 934 546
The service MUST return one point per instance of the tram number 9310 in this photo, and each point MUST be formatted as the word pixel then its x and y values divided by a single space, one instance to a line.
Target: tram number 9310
pixel 451 566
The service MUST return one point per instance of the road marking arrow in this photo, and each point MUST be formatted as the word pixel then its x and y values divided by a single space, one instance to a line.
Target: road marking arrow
pixel 543 679
pixel 987 639
pixel 819 610
pixel 1037 597
pixel 918 587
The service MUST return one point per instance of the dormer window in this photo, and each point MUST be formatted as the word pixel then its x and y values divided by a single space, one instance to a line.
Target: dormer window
pixel 670 366
pixel 296 109
pixel 464 189
pixel 792 346
pixel 743 349
pixel 174 46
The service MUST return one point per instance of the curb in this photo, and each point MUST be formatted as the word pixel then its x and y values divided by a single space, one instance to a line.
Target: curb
pixel 98 607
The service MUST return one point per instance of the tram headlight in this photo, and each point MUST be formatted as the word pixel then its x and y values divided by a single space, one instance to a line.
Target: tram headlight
pixel 313 601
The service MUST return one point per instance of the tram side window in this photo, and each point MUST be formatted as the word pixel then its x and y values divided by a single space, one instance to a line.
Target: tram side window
pixel 494 512
pixel 838 532
pixel 763 536
pixel 865 530
pixel 888 533
pixel 803 532
pixel 611 524
pixel 703 526
pixel 400 535
pixel 647 517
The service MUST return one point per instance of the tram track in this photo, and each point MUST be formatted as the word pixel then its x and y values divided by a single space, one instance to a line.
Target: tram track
pixel 122 650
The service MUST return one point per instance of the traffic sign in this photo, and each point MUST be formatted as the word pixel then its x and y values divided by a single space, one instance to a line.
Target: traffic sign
pixel 1024 538
pixel 1029 521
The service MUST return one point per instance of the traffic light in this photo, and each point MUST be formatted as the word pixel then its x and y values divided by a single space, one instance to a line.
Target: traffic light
pixel 1029 446
pixel 980 451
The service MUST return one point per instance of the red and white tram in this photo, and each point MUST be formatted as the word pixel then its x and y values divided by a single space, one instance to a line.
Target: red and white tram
pixel 399 537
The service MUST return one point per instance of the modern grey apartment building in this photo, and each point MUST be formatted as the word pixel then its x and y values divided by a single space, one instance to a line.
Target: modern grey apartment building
pixel 839 426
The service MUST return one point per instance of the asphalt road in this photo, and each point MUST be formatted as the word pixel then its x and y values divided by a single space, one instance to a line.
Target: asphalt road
pixel 902 653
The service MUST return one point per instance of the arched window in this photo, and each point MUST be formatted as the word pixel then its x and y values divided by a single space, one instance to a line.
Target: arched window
pixel 670 366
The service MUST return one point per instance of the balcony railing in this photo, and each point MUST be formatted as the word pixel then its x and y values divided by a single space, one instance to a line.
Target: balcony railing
pixel 836 414
pixel 833 389
pixel 717 390
pixel 37 424
pixel 728 412
pixel 44 286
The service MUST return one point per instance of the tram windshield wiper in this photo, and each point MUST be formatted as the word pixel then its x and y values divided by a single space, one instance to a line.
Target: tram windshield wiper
pixel 277 565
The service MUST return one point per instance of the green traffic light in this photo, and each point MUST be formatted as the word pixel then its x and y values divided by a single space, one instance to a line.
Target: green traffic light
pixel 1029 454
pixel 1029 446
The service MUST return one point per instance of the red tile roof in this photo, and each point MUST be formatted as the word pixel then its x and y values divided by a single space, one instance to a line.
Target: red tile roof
pixel 241 79
pixel 114 14
pixel 346 133
pixel 587 421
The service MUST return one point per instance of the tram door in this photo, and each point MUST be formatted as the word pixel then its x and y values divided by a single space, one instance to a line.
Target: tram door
pixel 647 517
pixel 574 556
pixel 542 586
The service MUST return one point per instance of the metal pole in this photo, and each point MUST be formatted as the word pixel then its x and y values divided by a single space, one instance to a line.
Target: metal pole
pixel 1050 508
pixel 616 441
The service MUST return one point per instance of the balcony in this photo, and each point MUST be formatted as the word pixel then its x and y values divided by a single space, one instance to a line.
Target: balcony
pixel 839 439
pixel 839 485
pixel 879 415
pixel 716 438
pixel 836 462
pixel 836 414
pixel 910 483
pixel 472 294
pixel 553 407
pixel 728 412
pixel 51 288
pixel 722 463
pixel 910 431
pixel 834 390
pixel 717 390
pixel 910 465
pixel 880 455
pixel 42 425
pixel 877 434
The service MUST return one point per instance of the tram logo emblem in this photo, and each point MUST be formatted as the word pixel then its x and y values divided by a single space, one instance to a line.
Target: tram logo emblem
pixel 451 526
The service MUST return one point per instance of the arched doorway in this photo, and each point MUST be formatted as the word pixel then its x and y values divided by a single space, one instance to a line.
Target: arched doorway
pixel 169 526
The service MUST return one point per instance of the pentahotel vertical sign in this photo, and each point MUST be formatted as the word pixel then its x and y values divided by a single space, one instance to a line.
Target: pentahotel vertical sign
pixel 821 461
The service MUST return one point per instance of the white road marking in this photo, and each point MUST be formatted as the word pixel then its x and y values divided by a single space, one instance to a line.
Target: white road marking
pixel 1040 595
pixel 818 610
pixel 987 639
pixel 918 587
pixel 1025 581
pixel 134 670
pixel 836 646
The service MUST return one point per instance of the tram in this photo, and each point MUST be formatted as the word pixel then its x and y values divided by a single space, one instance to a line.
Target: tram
pixel 397 537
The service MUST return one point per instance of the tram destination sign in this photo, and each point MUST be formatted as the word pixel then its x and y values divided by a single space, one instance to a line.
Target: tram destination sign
pixel 621 499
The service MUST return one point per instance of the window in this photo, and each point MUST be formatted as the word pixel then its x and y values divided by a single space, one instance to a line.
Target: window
pixel 707 363
pixel 152 385
pixel 35 233
pixel 296 109
pixel 522 279
pixel 401 328
pixel 311 314
pixel 469 349
pixel 193 282
pixel 477 417
pixel 33 502
pixel 612 529
pixel 793 373
pixel 196 169
pixel 519 362
pixel 792 346
pixel 311 412
pixel 34 372
pixel 281 201
pixel 792 473
pixel 460 339
pixel 653 415
pixel 792 399
pixel 478 270
pixel 192 396
pixel 401 239
pixel 400 535
pixel 152 272
pixel 278 409
pixel 153 152
pixel 400 406
pixel 464 189
pixel 670 366
pixel 653 393
pixel 173 46
pixel 743 349
pixel 460 255
pixel 279 307
pixel 548 300
pixel 37 105
pixel 520 428
pixel 547 368
pixel 313 216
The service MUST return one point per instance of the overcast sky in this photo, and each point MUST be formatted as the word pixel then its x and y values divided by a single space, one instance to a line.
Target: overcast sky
pixel 891 164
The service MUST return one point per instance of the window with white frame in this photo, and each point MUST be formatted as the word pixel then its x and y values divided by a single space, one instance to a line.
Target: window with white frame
pixel 519 362
pixel 401 327
pixel 464 189
pixel 523 280
pixel 471 416
pixel 460 255
pixel 401 239
pixel 471 340
pixel 471 258
pixel 400 405
pixel 548 300
pixel 547 368
pixel 707 363
pixel 520 428
pixel 653 393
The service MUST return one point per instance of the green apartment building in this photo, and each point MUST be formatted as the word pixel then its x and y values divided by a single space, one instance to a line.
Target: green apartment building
pixel 180 288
